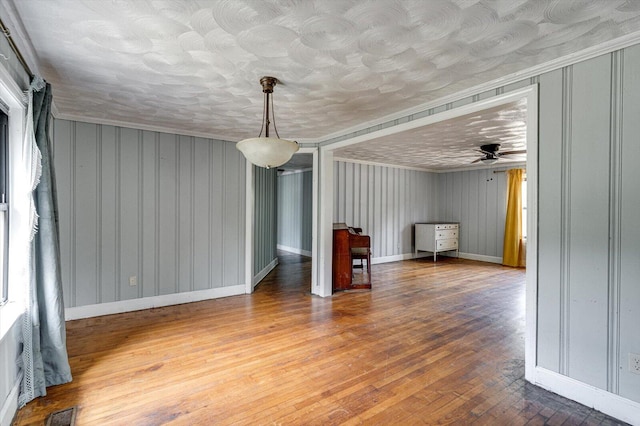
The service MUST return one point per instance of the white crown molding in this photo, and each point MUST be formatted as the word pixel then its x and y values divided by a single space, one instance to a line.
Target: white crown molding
pixel 138 126
pixel 148 127
pixel 583 55
pixel 19 35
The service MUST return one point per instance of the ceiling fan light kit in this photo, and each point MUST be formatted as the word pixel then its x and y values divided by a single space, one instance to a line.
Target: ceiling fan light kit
pixel 489 160
pixel 491 154
pixel 266 151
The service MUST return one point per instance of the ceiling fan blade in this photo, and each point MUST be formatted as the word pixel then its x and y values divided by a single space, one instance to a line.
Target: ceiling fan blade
pixel 513 152
pixel 477 161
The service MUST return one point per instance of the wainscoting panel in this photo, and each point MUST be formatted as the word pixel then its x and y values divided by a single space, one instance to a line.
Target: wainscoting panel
pixel 295 191
pixel 146 214
pixel 233 169
pixel 150 225
pixel 476 199
pixel 168 246
pixel 549 223
pixel 385 202
pixel 627 296
pixel 84 210
pixel 203 225
pixel 129 207
pixel 588 270
pixel 588 227
pixel 265 229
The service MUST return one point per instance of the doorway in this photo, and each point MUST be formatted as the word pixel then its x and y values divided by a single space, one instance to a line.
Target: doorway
pixel 394 135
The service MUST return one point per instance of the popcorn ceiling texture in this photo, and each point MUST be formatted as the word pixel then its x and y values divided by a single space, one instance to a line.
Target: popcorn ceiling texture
pixel 194 66
pixel 448 144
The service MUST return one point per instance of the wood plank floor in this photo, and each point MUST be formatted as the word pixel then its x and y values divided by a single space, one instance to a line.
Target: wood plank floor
pixel 431 343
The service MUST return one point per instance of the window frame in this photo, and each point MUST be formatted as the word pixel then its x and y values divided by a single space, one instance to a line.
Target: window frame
pixel 14 103
pixel 4 206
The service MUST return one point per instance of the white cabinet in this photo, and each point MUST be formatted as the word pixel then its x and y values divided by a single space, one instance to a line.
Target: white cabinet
pixel 436 237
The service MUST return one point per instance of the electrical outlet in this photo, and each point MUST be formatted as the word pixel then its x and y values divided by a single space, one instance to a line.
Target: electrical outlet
pixel 634 363
pixel 133 280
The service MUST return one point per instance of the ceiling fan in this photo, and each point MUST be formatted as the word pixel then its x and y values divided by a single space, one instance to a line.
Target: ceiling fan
pixel 491 154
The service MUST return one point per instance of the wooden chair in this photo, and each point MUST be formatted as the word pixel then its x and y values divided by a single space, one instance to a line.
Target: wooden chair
pixel 362 254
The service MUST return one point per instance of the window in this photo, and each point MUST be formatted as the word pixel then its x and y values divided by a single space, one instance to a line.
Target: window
pixel 524 208
pixel 4 207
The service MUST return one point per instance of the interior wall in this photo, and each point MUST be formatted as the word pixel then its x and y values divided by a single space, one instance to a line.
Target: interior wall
pixel 295 203
pixel 477 200
pixel 589 243
pixel 10 348
pixel 265 227
pixel 385 202
pixel 166 209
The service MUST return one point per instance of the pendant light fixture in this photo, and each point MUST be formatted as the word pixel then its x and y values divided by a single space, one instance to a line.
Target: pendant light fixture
pixel 266 151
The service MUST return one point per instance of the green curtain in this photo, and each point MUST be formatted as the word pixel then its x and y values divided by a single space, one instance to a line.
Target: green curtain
pixel 514 247
pixel 44 357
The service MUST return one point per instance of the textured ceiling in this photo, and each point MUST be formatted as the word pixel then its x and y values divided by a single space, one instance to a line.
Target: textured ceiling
pixel 452 143
pixel 194 66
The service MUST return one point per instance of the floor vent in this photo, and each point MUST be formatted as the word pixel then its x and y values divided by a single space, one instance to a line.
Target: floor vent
pixel 66 417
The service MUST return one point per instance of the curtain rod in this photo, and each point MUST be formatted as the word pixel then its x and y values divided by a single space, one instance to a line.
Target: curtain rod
pixel 13 46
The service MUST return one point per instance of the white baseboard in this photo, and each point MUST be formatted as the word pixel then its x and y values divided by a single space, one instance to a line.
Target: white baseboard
pixel 301 252
pixel 10 405
pixel 480 257
pixel 407 256
pixel 611 404
pixel 264 272
pixel 397 257
pixel 100 309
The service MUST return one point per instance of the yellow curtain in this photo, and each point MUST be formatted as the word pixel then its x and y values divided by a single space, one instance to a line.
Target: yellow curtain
pixel 514 247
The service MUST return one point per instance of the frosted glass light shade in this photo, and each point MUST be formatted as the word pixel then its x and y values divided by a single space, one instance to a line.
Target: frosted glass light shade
pixel 267 152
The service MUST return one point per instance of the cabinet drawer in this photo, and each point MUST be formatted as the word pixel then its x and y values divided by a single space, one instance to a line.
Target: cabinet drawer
pixel 447 244
pixel 446 234
pixel 447 226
